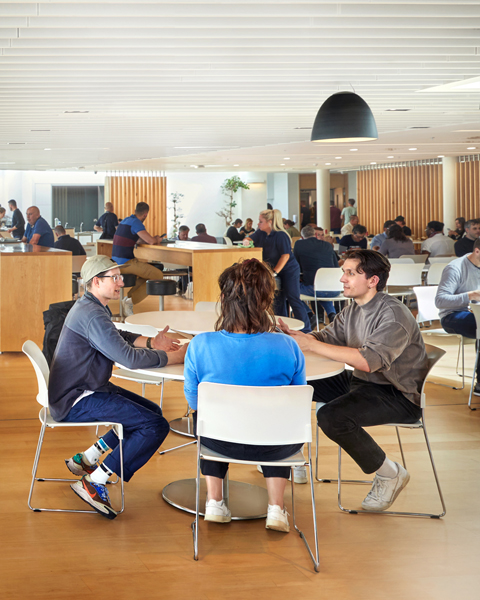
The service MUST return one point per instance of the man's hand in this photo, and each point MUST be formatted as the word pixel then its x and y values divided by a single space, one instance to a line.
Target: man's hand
pixel 161 342
pixel 475 295
pixel 376 248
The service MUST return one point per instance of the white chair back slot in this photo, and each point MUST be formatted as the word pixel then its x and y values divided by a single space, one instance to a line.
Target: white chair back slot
pixel 42 370
pixel 405 275
pixel 441 259
pixel 434 354
pixel 417 258
pixel 401 261
pixel 427 311
pixel 255 415
pixel 328 279
pixel 145 330
pixel 476 312
pixel 435 273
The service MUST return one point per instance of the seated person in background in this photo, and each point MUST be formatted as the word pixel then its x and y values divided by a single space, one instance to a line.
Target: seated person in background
pixel 263 358
pixel 38 231
pixel 66 242
pixel 291 229
pixel 313 254
pixel 400 220
pixel 183 232
pixel 378 336
pixel 465 244
pixel 381 237
pixel 233 233
pixel 248 228
pixel 79 388
pixel 356 240
pixel 128 233
pixel 397 243
pixel 18 222
pixel 459 230
pixel 320 235
pixel 459 285
pixel 349 211
pixel 3 217
pixel 202 235
pixel 348 227
pixel 107 223
pixel 437 244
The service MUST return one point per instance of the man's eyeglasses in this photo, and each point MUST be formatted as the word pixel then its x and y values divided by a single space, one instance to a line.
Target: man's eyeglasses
pixel 114 277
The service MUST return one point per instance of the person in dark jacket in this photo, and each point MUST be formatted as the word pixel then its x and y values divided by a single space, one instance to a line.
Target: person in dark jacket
pixel 107 223
pixel 18 222
pixel 465 244
pixel 66 242
pixel 233 233
pixel 79 389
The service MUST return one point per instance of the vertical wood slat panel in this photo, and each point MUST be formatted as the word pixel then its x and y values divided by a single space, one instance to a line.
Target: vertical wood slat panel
pixel 127 190
pixel 468 189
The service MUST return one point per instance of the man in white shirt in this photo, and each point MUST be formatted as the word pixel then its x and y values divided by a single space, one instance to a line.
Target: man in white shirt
pixel 348 227
pixel 437 244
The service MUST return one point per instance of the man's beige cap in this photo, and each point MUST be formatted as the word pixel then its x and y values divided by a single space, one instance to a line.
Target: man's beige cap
pixel 95 265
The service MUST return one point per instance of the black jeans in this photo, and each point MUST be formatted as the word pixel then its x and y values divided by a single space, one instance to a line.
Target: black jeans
pixel 245 452
pixel 352 404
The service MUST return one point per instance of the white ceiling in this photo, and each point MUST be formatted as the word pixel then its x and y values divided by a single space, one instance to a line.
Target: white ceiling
pixel 165 85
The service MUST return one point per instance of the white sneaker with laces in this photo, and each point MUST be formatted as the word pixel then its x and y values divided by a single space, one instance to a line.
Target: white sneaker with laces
pixel 217 511
pixel 277 518
pixel 385 490
pixel 127 305
pixel 299 474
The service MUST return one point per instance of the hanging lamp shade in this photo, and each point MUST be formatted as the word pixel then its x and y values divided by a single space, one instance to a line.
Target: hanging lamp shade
pixel 344 117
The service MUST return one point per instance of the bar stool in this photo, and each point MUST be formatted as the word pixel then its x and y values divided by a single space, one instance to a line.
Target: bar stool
pixel 161 288
pixel 129 280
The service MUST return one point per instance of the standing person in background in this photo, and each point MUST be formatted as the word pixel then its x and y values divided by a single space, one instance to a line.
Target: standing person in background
pixel 202 235
pixel 233 233
pixel 349 211
pixel 335 219
pixel 465 244
pixel 248 228
pixel 107 223
pixel 304 213
pixel 277 252
pixel 65 242
pixel 128 233
pixel 459 230
pixel 38 231
pixel 18 222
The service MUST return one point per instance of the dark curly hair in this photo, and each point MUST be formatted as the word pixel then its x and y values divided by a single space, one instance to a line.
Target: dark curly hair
pixel 247 289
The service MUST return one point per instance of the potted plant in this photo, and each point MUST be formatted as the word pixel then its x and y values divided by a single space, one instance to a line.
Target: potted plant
pixel 176 199
pixel 229 188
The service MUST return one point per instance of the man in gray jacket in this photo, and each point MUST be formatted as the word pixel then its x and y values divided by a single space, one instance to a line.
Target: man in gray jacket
pixel 459 285
pixel 378 336
pixel 79 388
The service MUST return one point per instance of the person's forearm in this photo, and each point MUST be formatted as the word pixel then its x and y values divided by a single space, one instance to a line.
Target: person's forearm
pixel 35 239
pixel 350 356
pixel 176 358
pixel 281 263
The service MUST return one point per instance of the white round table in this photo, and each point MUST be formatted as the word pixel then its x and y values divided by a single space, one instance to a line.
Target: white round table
pixel 190 322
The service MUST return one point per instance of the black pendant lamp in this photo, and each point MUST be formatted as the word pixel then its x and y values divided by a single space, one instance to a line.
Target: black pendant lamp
pixel 344 117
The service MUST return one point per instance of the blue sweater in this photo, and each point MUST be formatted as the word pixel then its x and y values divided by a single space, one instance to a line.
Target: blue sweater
pixel 88 346
pixel 260 359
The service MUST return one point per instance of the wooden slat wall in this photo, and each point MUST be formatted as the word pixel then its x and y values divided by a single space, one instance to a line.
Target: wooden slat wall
pixel 468 189
pixel 415 191
pixel 124 191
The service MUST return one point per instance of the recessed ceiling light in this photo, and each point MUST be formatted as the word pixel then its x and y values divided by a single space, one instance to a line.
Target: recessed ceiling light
pixel 7 163
pixel 472 148
pixel 282 164
pixel 286 158
pixel 390 157
pixel 194 166
pixel 328 164
pixel 338 157
pixel 373 163
pixel 398 109
pixel 47 148
pixel 236 165
pixel 353 149
pixel 441 156
pixel 412 148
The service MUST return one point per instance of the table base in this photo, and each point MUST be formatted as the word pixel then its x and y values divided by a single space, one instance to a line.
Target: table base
pixel 182 426
pixel 245 501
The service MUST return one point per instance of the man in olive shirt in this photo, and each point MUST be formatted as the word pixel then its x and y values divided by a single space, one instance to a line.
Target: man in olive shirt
pixel 378 336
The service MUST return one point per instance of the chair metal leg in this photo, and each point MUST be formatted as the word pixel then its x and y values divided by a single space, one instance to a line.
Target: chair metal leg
pixel 161 452
pixel 197 508
pixel 401 448
pixel 461 347
pixel 161 395
pixel 472 386
pixel 143 390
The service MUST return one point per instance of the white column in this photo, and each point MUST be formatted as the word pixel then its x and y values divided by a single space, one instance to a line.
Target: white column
pixel 449 203
pixel 323 198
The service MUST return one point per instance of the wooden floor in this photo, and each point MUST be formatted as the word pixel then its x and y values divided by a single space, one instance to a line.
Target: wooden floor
pixel 147 553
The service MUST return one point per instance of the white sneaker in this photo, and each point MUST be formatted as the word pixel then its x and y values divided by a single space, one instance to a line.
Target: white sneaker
pixel 385 490
pixel 277 518
pixel 127 305
pixel 217 512
pixel 299 474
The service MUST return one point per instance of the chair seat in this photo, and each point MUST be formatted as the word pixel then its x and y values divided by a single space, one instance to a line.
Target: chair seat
pixel 129 280
pixel 135 376
pixel 161 287
pixel 296 460
pixel 46 417
pixel 417 425
pixel 438 331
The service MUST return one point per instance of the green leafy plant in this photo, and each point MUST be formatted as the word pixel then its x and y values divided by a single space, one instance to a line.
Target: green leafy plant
pixel 176 198
pixel 229 188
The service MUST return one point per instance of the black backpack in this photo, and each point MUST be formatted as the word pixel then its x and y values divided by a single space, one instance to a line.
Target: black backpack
pixel 53 320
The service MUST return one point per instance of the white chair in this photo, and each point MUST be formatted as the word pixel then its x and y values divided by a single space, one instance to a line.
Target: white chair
pixel 417 258
pixel 228 241
pixel 428 312
pixel 326 280
pixel 434 354
pixel 475 308
pixel 441 259
pixel 43 373
pixel 404 276
pixel 256 415
pixel 401 261
pixel 434 273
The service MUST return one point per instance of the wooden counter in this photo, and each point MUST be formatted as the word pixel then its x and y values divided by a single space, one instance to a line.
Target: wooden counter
pixel 207 261
pixel 31 278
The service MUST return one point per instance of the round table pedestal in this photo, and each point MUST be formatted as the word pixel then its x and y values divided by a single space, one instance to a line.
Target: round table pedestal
pixel 182 426
pixel 245 501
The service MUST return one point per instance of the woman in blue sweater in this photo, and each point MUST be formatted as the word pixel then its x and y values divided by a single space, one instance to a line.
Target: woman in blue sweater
pixel 244 351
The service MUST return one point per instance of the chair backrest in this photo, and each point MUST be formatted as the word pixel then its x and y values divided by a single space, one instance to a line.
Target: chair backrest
pixel 434 354
pixel 427 311
pixel 328 279
pixel 228 241
pixel 42 371
pixel 146 330
pixel 255 415
pixel 476 311
pixel 441 259
pixel 405 275
pixel 208 307
pixel 417 258
pixel 401 261
pixel 435 273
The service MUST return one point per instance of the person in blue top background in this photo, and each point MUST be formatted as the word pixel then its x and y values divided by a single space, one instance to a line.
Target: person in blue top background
pixel 38 231
pixel 128 233
pixel 277 252
pixel 244 351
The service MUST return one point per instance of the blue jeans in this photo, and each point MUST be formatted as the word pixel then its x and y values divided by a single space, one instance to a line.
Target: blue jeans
pixel 144 427
pixel 307 290
pixel 461 322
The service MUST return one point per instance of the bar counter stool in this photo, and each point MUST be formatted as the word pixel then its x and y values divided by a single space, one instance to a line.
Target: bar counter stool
pixel 161 288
